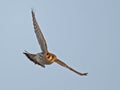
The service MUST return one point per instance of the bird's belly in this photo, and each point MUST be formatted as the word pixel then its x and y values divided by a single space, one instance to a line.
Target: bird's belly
pixel 42 60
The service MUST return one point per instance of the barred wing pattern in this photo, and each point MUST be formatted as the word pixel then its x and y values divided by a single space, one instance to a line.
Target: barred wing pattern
pixel 39 35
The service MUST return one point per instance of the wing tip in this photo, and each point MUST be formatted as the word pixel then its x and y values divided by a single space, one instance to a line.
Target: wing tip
pixel 84 74
pixel 32 11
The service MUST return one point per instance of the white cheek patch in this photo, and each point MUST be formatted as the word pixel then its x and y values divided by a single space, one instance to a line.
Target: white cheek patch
pixel 50 58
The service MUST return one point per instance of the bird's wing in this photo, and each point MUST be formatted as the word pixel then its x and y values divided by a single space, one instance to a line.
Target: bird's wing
pixel 39 35
pixel 68 67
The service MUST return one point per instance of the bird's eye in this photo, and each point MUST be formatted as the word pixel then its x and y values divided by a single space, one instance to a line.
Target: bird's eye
pixel 47 55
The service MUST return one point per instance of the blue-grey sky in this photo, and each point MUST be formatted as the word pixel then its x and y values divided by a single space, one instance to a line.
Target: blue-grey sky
pixel 85 34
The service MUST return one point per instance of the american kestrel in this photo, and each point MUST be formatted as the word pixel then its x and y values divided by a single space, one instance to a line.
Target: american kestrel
pixel 45 57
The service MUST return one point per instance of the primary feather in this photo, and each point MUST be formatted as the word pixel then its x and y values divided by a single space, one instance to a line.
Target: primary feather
pixel 39 35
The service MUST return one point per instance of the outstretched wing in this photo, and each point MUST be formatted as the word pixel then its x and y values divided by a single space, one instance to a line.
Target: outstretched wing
pixel 68 67
pixel 39 35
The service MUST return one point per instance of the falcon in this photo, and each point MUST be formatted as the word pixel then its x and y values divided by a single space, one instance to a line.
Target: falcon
pixel 45 57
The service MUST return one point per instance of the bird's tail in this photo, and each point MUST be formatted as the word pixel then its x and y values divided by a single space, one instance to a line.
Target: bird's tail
pixel 68 67
pixel 32 58
pixel 29 55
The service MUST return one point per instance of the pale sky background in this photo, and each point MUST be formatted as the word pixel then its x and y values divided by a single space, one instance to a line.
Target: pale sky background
pixel 85 34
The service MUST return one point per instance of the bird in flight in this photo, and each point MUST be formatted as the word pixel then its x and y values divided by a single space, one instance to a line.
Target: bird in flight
pixel 45 57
